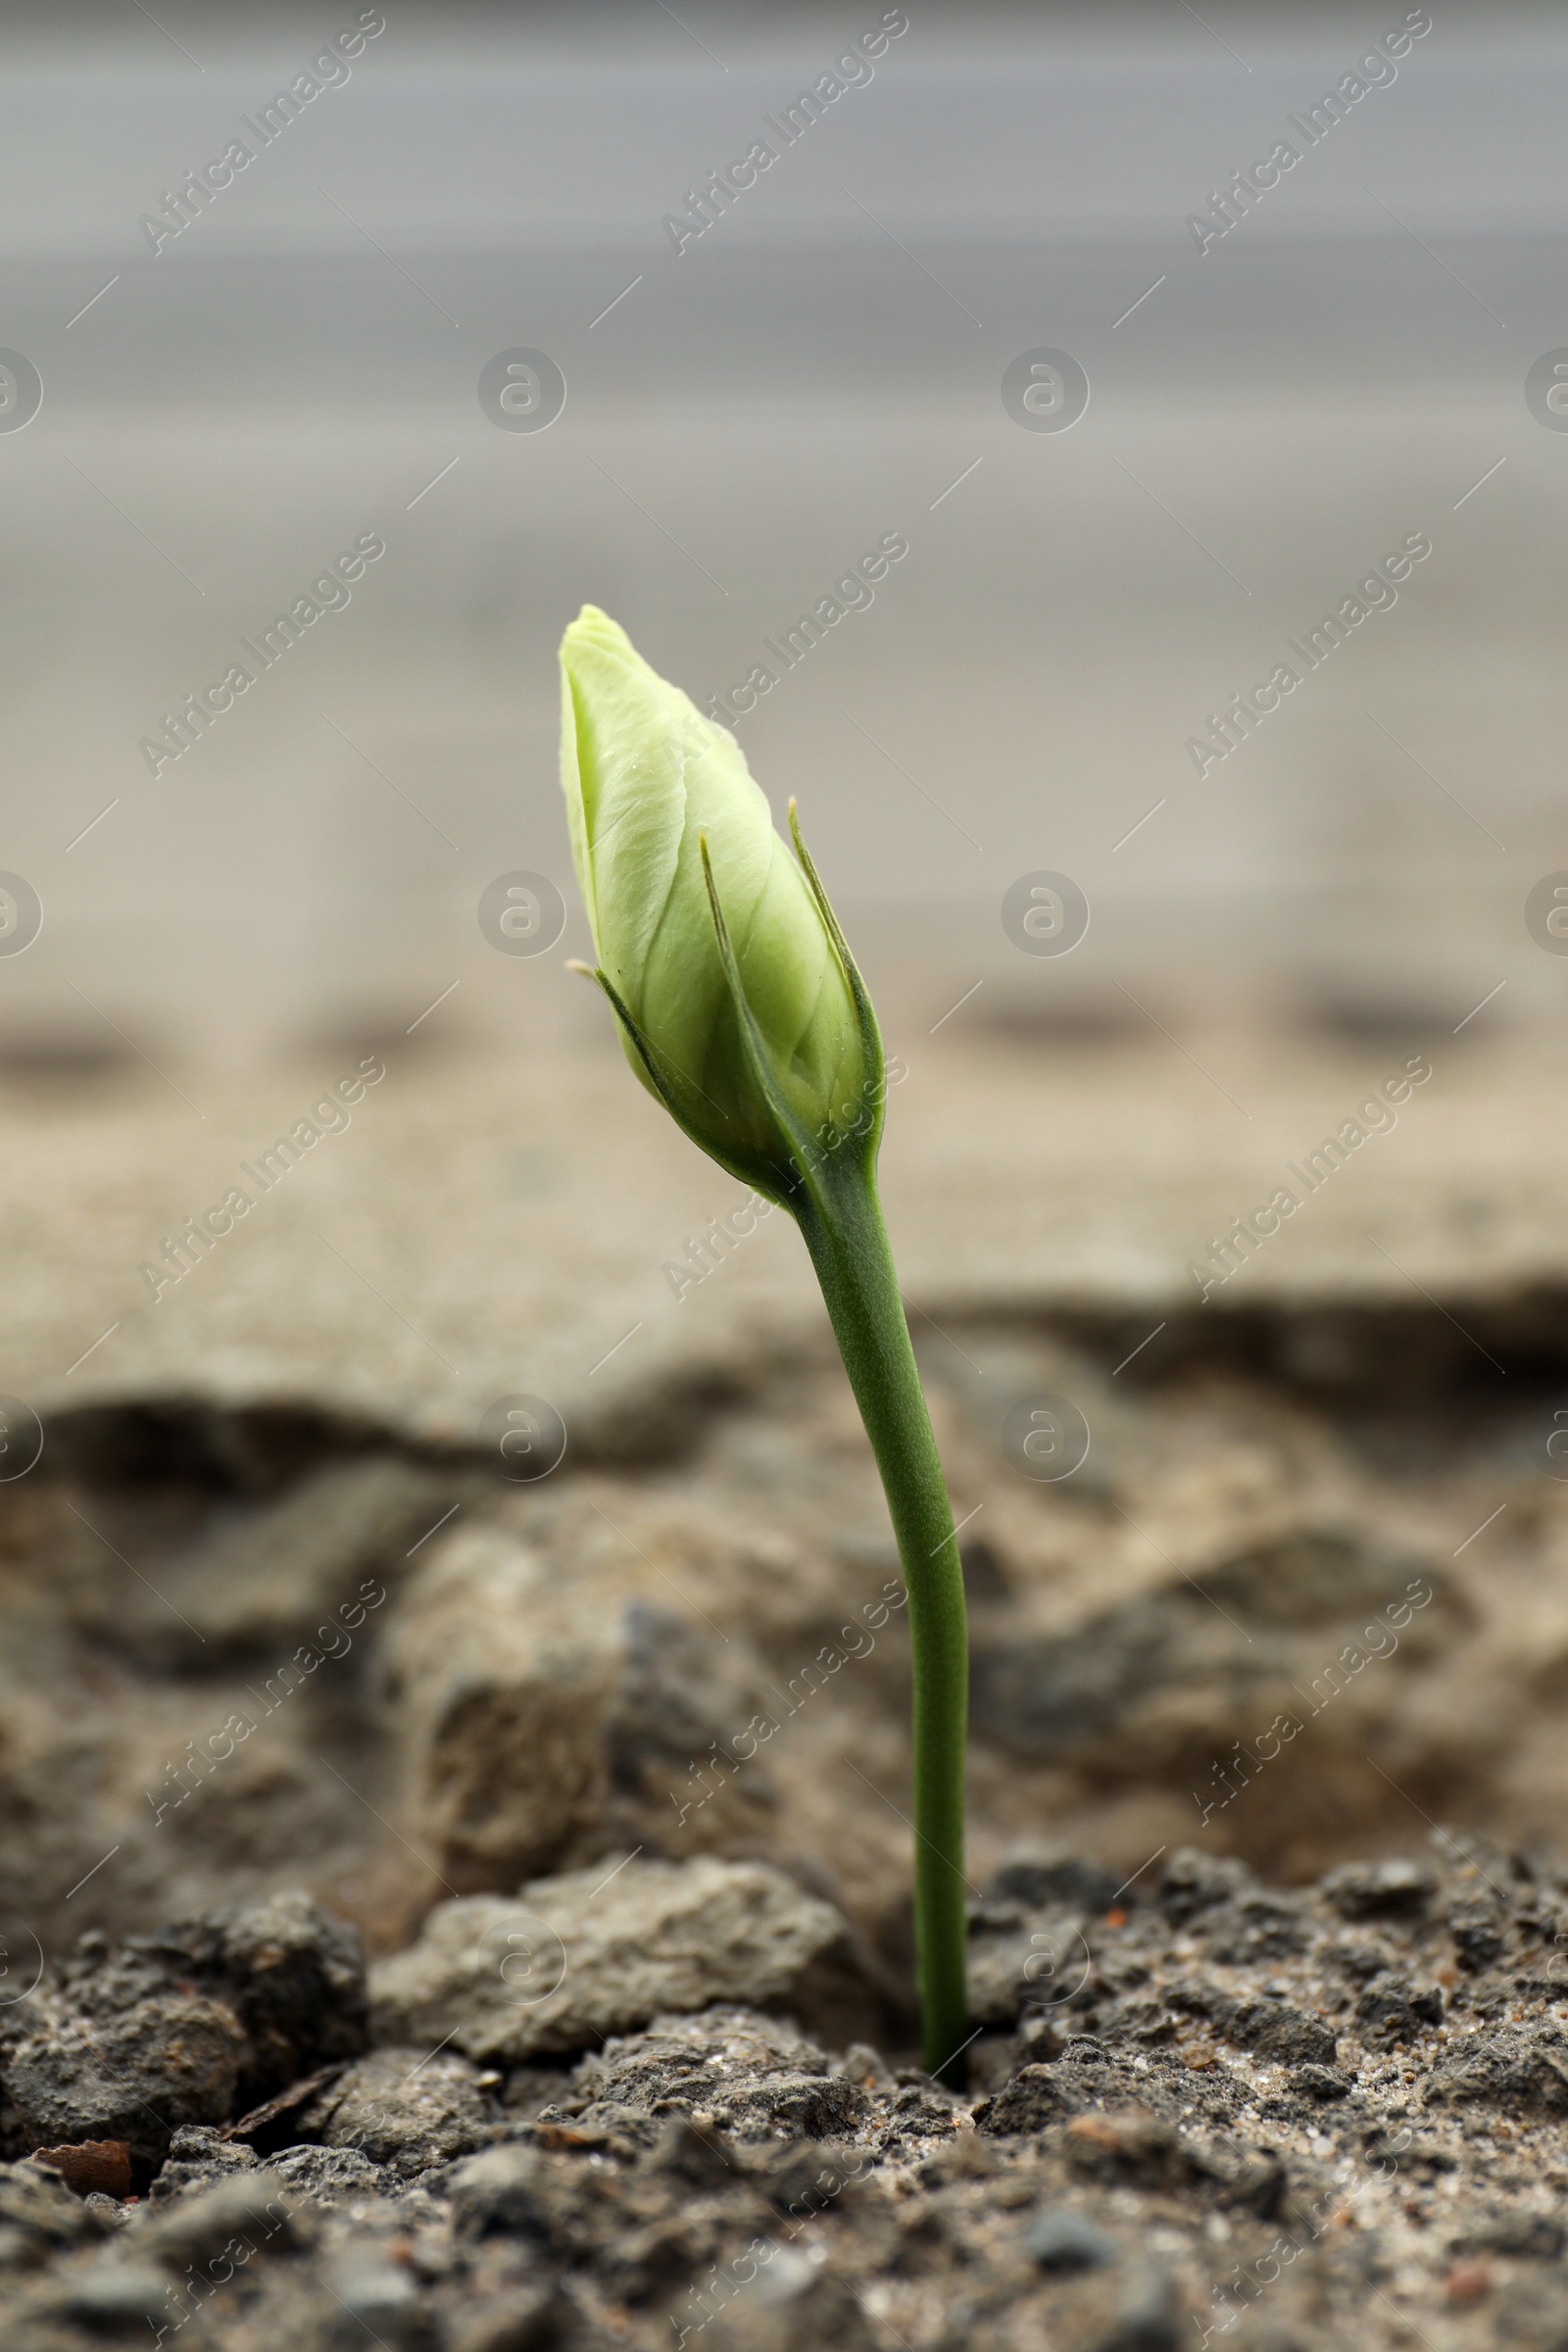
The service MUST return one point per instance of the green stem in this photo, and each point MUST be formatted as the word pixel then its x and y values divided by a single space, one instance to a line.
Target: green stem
pixel 847 1241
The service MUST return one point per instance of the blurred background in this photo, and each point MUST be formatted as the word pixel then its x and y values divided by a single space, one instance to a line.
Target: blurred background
pixel 1024 413
pixel 1020 418
pixel 232 393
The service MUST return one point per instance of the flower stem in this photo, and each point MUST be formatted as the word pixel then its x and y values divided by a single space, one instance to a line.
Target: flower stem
pixel 843 1230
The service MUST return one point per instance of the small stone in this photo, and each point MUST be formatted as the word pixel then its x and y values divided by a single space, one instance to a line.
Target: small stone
pixel 1469 2282
pixel 1036 2097
pixel 1396 1889
pixel 1064 2239
pixel 1151 2318
pixel 101 2165
pixel 606 2127
pixel 117 2294
pixel 497 2194
pixel 802 2106
pixel 377 2302
pixel 38 2212
pixel 1513 2071
pixel 1195 1883
pixel 251 2207
pixel 291 1971
pixel 1132 2147
pixel 864 2065
pixel 1256 1928
pixel 1360 1962
pixel 608 1953
pixel 531 2314
pixel 544 1707
pixel 275 2119
pixel 198 2155
pixel 332 2176
pixel 1062 1884
pixel 174 2028
pixel 1480 1933
pixel 405 2109
pixel 130 2073
pixel 1274 2030
pixel 1320 2082
pixel 1537 2235
pixel 807 2178
pixel 691 2150
pixel 1395 2010
pixel 685 2063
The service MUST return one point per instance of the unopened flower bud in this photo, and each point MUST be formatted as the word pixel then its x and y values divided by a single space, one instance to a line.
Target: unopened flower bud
pixel 738 1001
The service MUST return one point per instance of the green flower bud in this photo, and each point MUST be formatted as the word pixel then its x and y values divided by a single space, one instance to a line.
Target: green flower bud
pixel 738 1004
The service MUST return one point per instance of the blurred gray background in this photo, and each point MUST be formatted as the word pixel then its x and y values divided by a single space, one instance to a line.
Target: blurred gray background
pixel 1268 419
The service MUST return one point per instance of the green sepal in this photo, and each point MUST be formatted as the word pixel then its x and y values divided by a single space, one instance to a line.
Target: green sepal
pixel 755 1046
pixel 870 1033
pixel 760 1175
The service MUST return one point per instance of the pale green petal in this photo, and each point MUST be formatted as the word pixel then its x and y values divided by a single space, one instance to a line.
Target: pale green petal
pixel 624 788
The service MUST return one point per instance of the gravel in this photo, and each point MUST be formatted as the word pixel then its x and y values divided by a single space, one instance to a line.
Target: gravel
pixel 1354 2134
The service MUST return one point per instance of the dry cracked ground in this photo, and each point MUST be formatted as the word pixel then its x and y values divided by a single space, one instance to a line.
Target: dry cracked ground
pixel 454 1910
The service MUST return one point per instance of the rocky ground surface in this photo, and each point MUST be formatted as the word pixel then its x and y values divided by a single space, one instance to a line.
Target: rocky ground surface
pixel 1307 1593
pixel 538 1849
pixel 1200 2107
